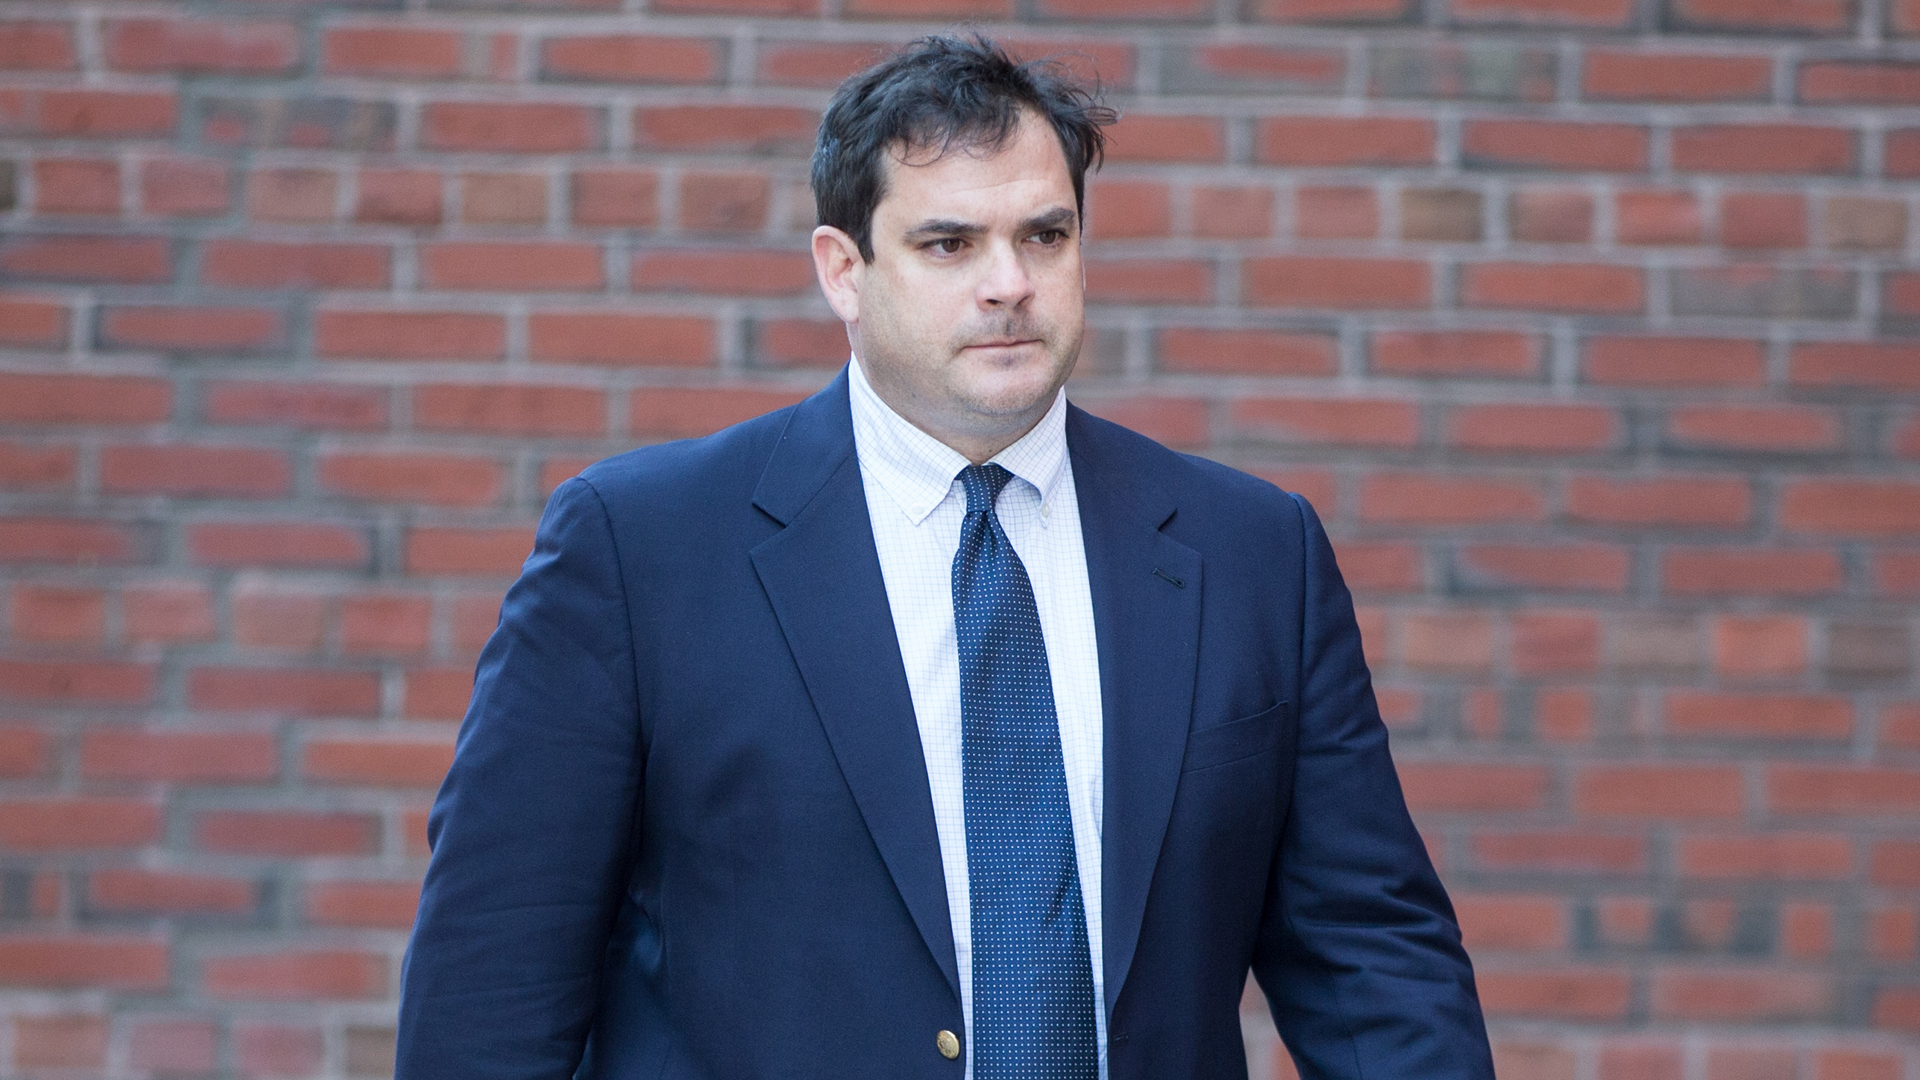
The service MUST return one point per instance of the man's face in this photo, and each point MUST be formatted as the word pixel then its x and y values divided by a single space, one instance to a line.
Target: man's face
pixel 970 316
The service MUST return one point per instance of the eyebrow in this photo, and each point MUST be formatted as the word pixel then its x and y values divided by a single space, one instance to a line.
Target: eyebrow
pixel 1057 218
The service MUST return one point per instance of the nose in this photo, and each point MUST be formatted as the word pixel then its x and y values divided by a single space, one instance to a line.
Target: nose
pixel 1004 281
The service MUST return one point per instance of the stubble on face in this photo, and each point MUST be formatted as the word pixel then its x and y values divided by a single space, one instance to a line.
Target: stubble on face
pixel 972 311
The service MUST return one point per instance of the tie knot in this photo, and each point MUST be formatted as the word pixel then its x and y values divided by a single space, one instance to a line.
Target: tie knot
pixel 984 484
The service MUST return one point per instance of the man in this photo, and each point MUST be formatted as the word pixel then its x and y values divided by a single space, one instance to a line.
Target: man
pixel 931 727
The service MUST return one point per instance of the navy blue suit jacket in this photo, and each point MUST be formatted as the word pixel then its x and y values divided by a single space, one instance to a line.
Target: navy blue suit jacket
pixel 688 835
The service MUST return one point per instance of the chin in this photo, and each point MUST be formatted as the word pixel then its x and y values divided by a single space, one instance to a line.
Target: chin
pixel 1012 393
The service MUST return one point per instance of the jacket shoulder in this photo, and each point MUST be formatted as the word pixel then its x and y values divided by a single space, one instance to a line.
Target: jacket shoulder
pixel 666 474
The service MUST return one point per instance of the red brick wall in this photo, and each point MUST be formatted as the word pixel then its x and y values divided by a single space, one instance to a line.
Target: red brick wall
pixel 1579 320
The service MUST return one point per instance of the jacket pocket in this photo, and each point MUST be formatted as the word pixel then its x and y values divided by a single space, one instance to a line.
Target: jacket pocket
pixel 1235 739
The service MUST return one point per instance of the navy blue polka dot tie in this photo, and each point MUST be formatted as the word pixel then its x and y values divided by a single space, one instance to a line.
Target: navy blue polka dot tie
pixel 1032 979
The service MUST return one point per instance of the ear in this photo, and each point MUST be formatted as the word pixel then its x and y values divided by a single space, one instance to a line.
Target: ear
pixel 841 270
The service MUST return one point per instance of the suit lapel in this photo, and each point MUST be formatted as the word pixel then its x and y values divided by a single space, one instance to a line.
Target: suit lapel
pixel 1146 615
pixel 822 575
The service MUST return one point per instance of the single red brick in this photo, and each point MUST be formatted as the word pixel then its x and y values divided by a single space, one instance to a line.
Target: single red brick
pixel 620 198
pixel 1233 213
pixel 1590 288
pixel 70 823
pixel 284 691
pixel 1669 361
pixel 383 762
pixel 1903 153
pixel 127 753
pixel 195 471
pixel 1149 281
pixel 439 693
pixel 1755 647
pixel 509 409
pixel 72 541
pixel 127 890
pixel 1174 421
pixel 1330 421
pixel 1446 641
pixel 1335 213
pixel 1588 994
pixel 76 186
pixel 1864 222
pixel 1854 790
pixel 191 329
pixel 202 46
pixel 76 682
pixel 398 197
pixel 1511 921
pixel 1246 352
pixel 1124 209
pixel 1763 148
pixel 432 479
pixel 1742 996
pixel 106 114
pixel 1650 790
pixel 1547 642
pixel 185 187
pixel 1848 507
pixel 1721 571
pixel 1381 567
pixel 820 64
pixel 1484 353
pixel 1307 281
pixel 1442 499
pixel 1857 82
pixel 60 1042
pixel 24 751
pixel 1616 75
pixel 513 267
pixel 167 613
pixel 381 905
pixel 56 615
pixel 450 550
pixel 1703 501
pixel 1787 428
pixel 675 412
pixel 32 323
pixel 32 467
pixel 1460 786
pixel 1658 217
pixel 277 544
pixel 264 264
pixel 1538 144
pixel 1699 714
pixel 631 58
pixel 1763 220
pixel 1345 141
pixel 131 260
pixel 1564 567
pixel 284 620
pixel 724 202
pixel 1897 1008
pixel 299 405
pixel 277 1050
pixel 1759 16
pixel 1561 852
pixel 802 343
pixel 720 128
pixel 1855 1065
pixel 300 196
pixel 1550 216
pixel 174 1047
pixel 36 45
pixel 1142 137
pixel 409 335
pixel 503 198
pixel 511 127
pixel 287 833
pixel 1331 11
pixel 1533 428
pixel 1143 10
pixel 1856 364
pixel 386 624
pixel 314 975
pixel 623 339
pixel 84 961
pixel 724 273
pixel 393 52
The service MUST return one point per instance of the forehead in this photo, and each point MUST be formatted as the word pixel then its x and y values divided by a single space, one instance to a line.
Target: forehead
pixel 1026 171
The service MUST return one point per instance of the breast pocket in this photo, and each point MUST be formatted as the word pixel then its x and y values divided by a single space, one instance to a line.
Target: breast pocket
pixel 1225 743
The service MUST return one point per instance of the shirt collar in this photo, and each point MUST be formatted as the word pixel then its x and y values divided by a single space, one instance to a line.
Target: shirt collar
pixel 919 471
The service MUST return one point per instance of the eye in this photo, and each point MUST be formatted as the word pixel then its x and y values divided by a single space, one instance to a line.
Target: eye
pixel 948 245
pixel 1050 237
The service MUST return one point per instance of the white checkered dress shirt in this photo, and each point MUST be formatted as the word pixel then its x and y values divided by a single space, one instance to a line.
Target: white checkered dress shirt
pixel 917 505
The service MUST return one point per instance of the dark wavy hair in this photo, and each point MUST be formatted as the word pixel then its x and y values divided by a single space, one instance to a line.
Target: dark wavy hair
pixel 941 93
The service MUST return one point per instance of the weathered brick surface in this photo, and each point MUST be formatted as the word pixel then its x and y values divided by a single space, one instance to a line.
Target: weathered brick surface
pixel 1591 327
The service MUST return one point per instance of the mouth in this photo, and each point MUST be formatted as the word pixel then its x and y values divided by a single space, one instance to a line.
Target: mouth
pixel 1003 344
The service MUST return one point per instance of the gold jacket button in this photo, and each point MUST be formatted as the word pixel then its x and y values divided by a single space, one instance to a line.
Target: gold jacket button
pixel 948 1043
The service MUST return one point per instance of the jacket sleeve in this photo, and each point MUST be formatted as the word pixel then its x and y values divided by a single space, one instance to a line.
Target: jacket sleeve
pixel 532 827
pixel 1359 953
